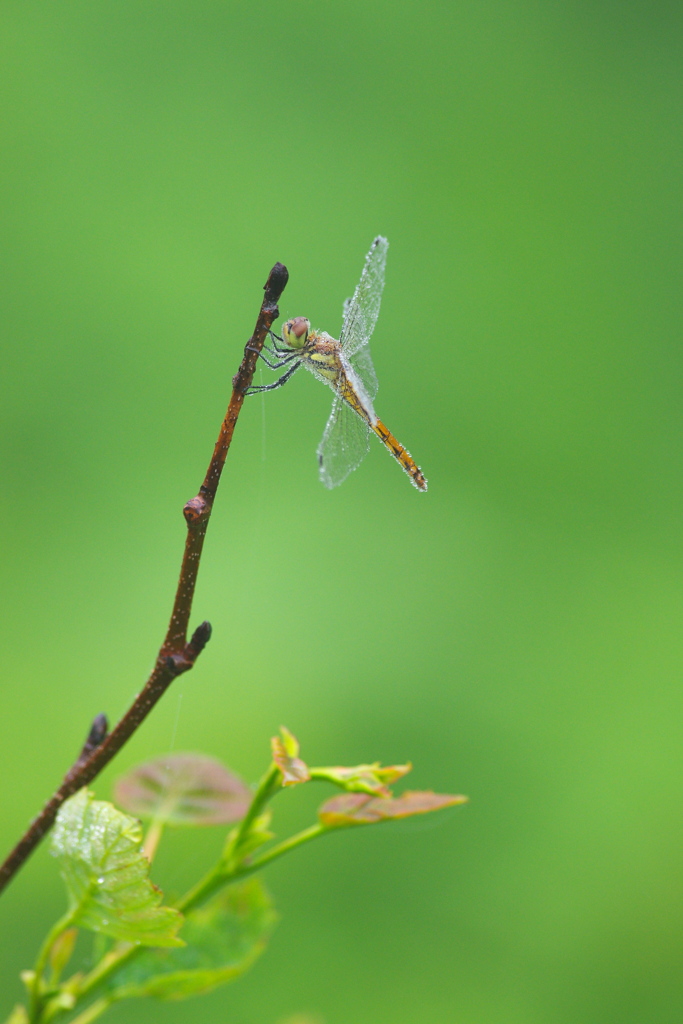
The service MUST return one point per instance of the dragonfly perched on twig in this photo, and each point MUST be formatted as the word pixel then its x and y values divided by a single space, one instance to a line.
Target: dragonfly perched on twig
pixel 346 366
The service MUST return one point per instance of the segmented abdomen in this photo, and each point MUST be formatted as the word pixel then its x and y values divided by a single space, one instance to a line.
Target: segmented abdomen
pixel 401 455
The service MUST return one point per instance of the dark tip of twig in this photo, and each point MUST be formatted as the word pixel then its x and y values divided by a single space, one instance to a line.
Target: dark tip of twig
pixel 97 735
pixel 200 638
pixel 275 285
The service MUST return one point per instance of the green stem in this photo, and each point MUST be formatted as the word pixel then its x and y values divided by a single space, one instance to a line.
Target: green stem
pixel 285 846
pixel 109 964
pixel 269 785
pixel 154 834
pixel 228 867
pixel 218 877
pixel 94 1011
pixel 205 887
pixel 36 1002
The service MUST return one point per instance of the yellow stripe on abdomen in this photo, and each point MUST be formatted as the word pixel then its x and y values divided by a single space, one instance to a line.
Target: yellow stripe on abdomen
pixel 401 455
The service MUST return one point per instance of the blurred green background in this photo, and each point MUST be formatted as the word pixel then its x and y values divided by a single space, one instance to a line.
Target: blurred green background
pixel 516 632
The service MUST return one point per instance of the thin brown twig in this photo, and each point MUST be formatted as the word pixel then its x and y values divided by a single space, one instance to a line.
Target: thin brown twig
pixel 177 654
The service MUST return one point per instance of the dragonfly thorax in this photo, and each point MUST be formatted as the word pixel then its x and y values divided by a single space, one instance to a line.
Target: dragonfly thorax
pixel 295 332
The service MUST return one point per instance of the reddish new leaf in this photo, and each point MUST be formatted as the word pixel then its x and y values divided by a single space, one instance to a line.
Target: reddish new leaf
pixel 360 809
pixel 184 789
pixel 286 757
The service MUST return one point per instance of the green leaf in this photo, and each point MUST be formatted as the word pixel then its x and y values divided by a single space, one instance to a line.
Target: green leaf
pixel 62 950
pixel 359 809
pixel 184 789
pixel 363 778
pixel 286 757
pixel 223 938
pixel 106 874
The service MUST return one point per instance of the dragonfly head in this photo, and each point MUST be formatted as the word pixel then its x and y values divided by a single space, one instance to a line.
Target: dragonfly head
pixel 295 332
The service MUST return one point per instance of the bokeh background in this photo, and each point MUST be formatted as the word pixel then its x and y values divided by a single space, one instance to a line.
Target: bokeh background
pixel 515 632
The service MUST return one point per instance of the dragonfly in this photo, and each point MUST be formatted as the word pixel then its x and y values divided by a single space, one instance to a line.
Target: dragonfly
pixel 346 367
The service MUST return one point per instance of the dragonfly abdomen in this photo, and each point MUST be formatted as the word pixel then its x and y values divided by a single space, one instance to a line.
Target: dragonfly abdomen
pixel 401 455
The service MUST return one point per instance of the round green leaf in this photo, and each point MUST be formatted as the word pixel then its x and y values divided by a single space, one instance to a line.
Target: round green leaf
pixel 106 874
pixel 223 938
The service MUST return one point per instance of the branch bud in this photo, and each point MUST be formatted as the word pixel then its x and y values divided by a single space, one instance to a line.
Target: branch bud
pixel 97 735
pixel 200 638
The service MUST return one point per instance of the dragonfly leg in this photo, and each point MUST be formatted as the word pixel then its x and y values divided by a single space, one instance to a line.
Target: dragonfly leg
pixel 255 389
pixel 273 366
pixel 276 338
pixel 273 351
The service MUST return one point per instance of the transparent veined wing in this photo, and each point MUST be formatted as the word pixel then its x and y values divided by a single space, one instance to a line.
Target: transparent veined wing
pixel 361 311
pixel 361 364
pixel 344 445
pixel 346 439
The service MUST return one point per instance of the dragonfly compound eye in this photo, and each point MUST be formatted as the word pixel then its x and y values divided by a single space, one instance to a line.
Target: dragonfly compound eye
pixel 296 331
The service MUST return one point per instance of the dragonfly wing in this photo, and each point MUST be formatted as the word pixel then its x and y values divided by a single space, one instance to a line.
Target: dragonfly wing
pixel 361 311
pixel 361 364
pixel 344 445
